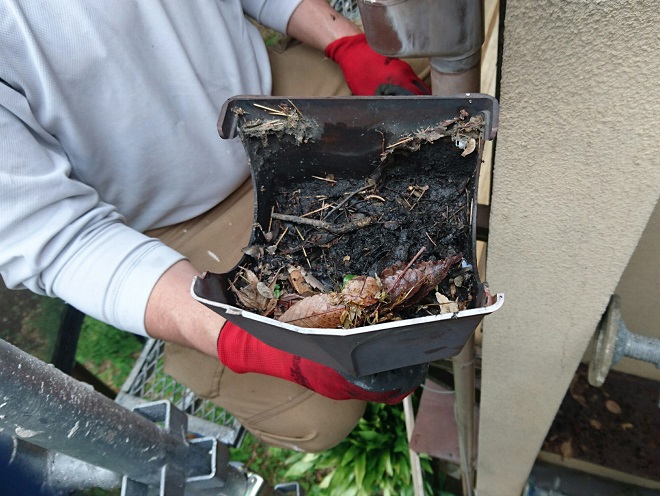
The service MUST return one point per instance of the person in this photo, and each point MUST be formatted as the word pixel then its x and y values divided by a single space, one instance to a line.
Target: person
pixel 116 190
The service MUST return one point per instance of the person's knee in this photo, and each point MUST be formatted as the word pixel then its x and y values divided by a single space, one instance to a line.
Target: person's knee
pixel 277 412
pixel 317 426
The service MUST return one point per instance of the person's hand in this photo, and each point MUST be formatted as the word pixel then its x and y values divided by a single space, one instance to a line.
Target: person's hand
pixel 242 352
pixel 369 73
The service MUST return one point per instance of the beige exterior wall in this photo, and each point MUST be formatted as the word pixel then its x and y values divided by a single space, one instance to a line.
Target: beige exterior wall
pixel 577 176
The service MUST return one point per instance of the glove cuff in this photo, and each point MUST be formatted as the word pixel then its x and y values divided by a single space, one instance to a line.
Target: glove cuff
pixel 233 343
pixel 335 49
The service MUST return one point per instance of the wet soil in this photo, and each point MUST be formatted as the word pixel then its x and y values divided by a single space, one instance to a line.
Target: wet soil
pixel 414 206
pixel 615 426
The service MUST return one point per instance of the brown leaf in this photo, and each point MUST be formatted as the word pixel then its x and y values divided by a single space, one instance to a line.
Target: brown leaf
pixel 315 311
pixel 298 282
pixel 627 426
pixel 566 449
pixel 402 283
pixel 470 147
pixel 313 281
pixel 613 407
pixel 435 272
pixel 596 424
pixel 255 295
pixel 575 391
pixel 361 290
pixel 265 291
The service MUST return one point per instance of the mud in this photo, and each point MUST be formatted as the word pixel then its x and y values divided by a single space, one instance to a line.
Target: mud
pixel 415 205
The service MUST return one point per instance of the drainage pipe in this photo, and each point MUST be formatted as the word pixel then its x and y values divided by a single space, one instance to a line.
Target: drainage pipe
pixel 463 365
pixel 451 34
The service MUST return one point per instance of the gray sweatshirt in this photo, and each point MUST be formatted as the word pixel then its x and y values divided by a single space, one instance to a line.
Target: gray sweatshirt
pixel 108 112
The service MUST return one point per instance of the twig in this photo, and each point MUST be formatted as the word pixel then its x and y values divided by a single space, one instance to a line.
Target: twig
pixel 306 258
pixel 324 207
pixel 271 110
pixel 302 246
pixel 277 243
pixel 294 106
pixel 348 197
pixel 401 142
pixel 326 226
pixel 270 221
pixel 412 260
pixel 325 179
pixel 369 197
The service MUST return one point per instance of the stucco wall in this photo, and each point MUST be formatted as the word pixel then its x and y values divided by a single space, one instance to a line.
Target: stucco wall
pixel 576 177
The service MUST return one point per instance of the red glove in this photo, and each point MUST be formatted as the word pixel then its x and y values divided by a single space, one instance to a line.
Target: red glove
pixel 242 352
pixel 369 73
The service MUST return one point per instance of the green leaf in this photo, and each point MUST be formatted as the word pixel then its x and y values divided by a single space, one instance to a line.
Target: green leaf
pixel 299 469
pixel 369 435
pixel 360 467
pixel 347 278
pixel 388 465
pixel 349 455
pixel 325 482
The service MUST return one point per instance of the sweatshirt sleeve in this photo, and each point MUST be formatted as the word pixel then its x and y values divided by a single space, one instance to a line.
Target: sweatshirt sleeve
pixel 274 14
pixel 58 238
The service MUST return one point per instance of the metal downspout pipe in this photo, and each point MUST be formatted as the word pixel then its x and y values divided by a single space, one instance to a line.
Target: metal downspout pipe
pixel 450 74
pixel 451 34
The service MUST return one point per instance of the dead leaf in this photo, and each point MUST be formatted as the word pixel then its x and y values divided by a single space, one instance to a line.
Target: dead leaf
pixel 264 290
pixel 566 449
pixel 298 282
pixel 314 311
pixel 446 305
pixel 254 251
pixel 470 147
pixel 596 424
pixel 255 294
pixel 401 283
pixel 626 426
pixel 408 285
pixel 361 290
pixel 575 394
pixel 613 407
pixel 313 281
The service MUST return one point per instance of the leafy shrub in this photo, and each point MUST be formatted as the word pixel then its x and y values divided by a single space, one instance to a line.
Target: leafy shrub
pixel 372 461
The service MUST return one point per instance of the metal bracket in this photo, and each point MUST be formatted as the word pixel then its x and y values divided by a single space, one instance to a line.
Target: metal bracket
pixel 195 466
pixel 614 341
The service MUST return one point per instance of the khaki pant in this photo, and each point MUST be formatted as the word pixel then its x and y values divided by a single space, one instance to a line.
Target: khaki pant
pixel 276 411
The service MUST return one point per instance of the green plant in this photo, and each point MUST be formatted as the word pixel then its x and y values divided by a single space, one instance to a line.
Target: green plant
pixel 267 461
pixel 373 460
pixel 107 352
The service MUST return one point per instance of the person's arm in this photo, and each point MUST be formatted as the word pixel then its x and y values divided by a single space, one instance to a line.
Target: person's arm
pixel 316 23
pixel 173 315
pixel 58 238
